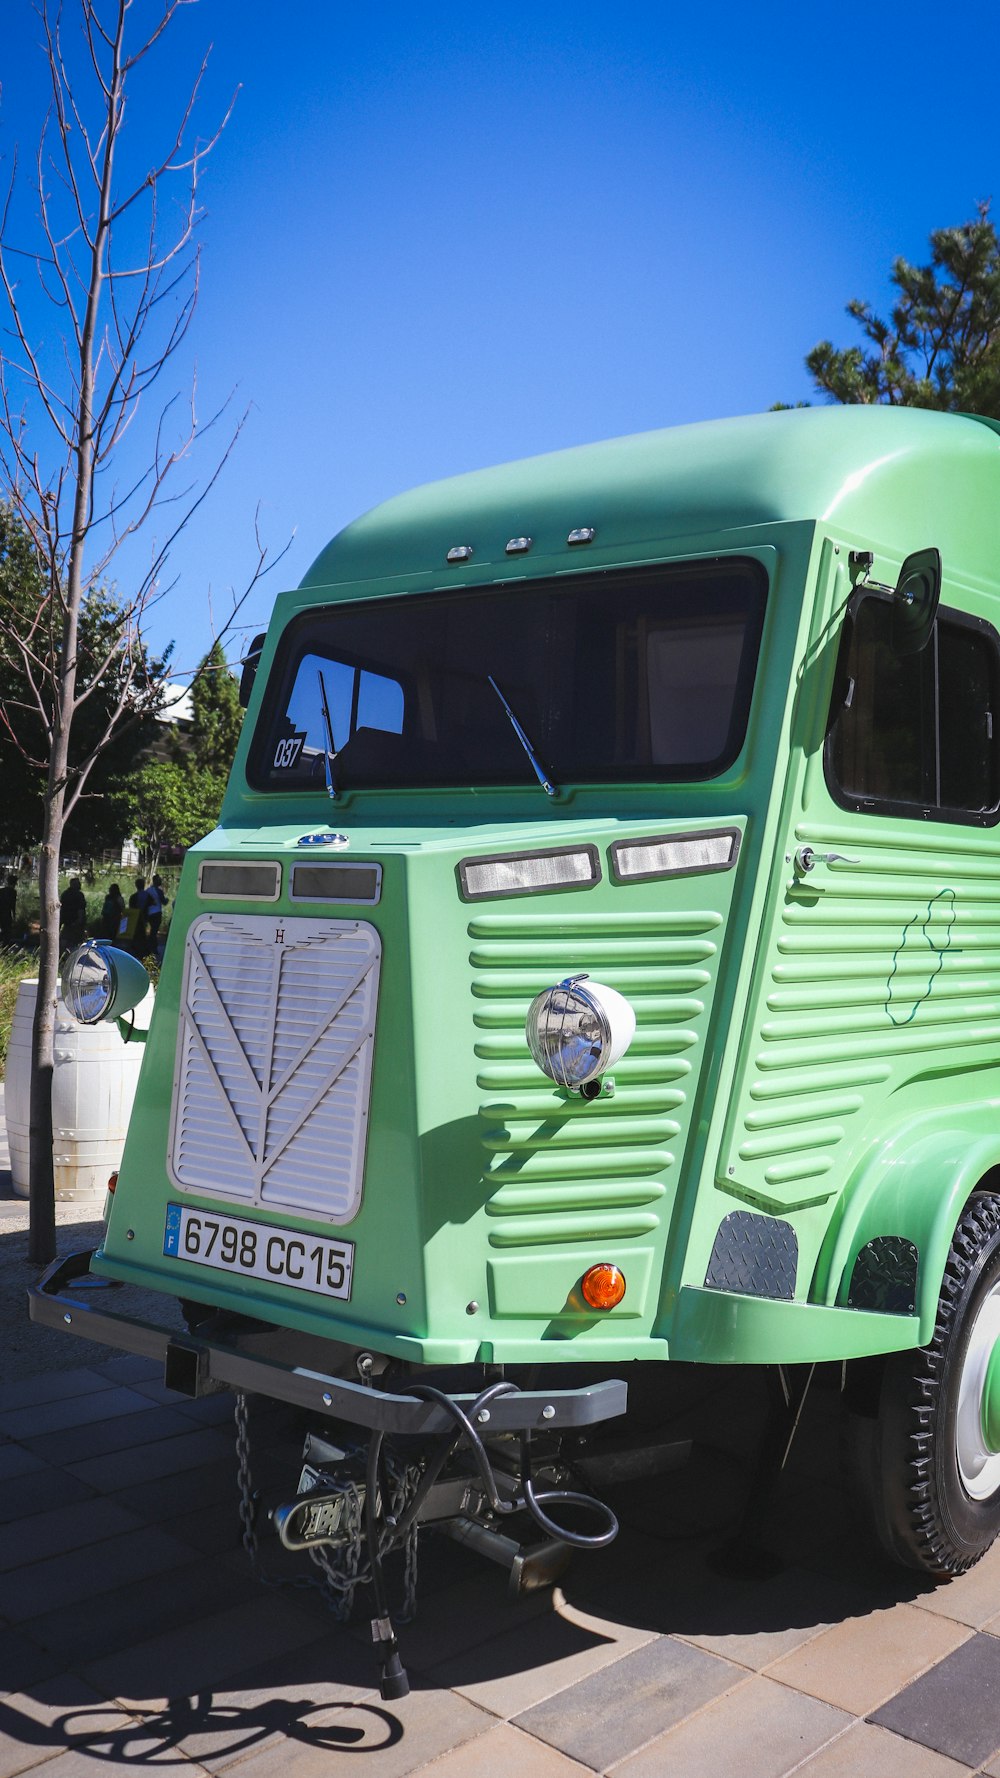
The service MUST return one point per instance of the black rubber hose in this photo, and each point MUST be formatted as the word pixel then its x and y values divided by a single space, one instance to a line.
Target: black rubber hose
pixel 532 1501
pixel 393 1682
pixel 427 1392
pixel 371 1524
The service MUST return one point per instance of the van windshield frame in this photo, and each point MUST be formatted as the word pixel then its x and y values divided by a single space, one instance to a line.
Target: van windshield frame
pixel 618 677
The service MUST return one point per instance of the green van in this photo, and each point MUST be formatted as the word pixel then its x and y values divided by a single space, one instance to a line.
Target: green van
pixel 598 961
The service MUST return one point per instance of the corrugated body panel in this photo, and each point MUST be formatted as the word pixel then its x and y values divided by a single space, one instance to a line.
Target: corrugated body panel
pixel 274 1061
pixel 558 1170
pixel 884 969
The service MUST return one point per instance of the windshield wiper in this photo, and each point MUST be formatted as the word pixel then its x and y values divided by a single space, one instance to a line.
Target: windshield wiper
pixel 329 751
pixel 547 786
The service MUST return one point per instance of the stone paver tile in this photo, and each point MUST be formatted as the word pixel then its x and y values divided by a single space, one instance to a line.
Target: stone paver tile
pixel 777 1616
pixel 155 1390
pixel 129 1367
pixel 51 1386
pixel 202 1653
pixel 449 1623
pixel 504 1752
pixel 216 1528
pixel 238 1724
pixel 514 1671
pixel 953 1708
pixel 68 1528
pixel 128 1469
pixel 64 1580
pixel 613 1712
pixel 166 1497
pixel 53 1717
pixel 760 1730
pixel 394 1739
pixel 660 1597
pixel 103 1624
pixel 116 1433
pixel 23 1662
pixel 859 1664
pixel 866 1750
pixel 78 1763
pixel 970 1598
pixel 213 1410
pixel 16 1460
pixel 40 1491
pixel 74 1410
pixel 277 1701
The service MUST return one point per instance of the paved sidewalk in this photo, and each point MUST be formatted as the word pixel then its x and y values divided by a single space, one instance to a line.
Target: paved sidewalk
pixel 133 1633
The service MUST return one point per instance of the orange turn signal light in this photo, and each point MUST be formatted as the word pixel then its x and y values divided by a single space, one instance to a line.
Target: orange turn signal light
pixel 603 1286
pixel 113 1181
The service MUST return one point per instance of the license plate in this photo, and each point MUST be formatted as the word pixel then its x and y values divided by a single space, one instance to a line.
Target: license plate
pixel 260 1250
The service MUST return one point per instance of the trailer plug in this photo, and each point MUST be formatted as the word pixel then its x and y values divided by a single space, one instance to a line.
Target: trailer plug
pixel 393 1682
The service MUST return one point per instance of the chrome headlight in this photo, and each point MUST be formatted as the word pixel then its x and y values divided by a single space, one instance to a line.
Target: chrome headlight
pixel 576 1032
pixel 100 982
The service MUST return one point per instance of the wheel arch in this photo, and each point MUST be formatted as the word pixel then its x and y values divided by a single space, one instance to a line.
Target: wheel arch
pixel 915 1184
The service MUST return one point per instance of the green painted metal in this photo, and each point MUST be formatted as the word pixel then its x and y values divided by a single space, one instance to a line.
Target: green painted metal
pixel 991 1401
pixel 775 1069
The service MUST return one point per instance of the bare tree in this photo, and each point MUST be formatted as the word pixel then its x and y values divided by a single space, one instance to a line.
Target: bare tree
pixel 114 268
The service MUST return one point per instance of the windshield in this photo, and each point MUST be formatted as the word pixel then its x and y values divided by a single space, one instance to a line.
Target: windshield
pixel 614 677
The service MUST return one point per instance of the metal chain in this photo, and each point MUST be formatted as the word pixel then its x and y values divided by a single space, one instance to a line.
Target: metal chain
pixel 248 1499
pixel 341 1568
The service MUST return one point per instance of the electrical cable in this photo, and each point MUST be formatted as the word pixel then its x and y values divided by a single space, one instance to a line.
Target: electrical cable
pixel 531 1500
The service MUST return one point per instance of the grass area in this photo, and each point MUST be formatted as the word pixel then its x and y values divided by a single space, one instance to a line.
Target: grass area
pixel 14 966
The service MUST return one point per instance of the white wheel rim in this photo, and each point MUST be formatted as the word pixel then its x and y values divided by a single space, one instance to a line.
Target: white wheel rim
pixel 978 1466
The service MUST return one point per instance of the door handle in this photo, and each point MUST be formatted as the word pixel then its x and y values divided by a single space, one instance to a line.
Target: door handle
pixel 806 859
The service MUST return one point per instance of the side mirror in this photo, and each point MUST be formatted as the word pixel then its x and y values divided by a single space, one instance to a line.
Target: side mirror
pixel 251 661
pixel 915 601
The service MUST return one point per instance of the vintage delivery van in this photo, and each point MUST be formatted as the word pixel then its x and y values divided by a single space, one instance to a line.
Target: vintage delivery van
pixel 597 964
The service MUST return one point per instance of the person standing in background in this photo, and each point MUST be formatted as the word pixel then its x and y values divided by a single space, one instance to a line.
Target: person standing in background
pixel 8 909
pixel 137 928
pixel 114 913
pixel 156 901
pixel 72 915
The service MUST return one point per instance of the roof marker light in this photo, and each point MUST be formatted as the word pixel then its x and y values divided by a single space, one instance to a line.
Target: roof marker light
pixel 461 552
pixel 518 545
pixel 582 534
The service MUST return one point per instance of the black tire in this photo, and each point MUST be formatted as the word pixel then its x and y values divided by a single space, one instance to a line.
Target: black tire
pixel 932 1487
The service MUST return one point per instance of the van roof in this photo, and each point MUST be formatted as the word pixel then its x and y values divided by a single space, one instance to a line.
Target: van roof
pixel 903 477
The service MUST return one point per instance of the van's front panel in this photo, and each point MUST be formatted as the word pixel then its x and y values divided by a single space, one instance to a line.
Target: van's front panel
pixel 363 1079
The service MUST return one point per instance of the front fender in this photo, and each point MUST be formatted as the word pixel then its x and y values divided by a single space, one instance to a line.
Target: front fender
pixel 915 1184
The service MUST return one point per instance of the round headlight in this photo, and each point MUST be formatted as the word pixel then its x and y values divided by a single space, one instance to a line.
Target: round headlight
pixel 576 1032
pixel 100 982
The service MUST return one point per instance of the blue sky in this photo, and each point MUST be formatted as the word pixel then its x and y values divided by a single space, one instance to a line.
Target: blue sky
pixel 443 236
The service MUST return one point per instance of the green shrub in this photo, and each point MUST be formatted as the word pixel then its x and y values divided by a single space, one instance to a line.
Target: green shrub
pixel 14 966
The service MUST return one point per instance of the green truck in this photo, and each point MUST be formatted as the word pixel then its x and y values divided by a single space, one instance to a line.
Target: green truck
pixel 597 963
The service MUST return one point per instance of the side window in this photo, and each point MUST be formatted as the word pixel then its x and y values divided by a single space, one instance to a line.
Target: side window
pixel 916 735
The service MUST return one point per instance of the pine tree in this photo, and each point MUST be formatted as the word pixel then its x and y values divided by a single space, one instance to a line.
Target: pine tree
pixel 218 715
pixel 941 346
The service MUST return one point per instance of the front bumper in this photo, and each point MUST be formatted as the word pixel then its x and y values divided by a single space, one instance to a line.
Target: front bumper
pixel 196 1365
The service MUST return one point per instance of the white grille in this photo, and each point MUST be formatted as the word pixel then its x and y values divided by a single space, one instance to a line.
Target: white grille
pixel 274 1061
